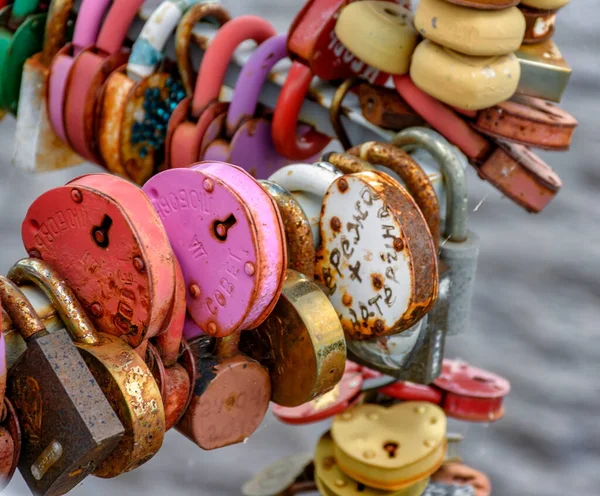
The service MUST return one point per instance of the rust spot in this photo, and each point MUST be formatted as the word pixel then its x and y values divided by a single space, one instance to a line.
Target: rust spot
pixel 342 185
pixel 230 401
pixel 379 326
pixel 328 462
pixel 335 224
pixel 398 244
pixel 347 299
pixel 377 281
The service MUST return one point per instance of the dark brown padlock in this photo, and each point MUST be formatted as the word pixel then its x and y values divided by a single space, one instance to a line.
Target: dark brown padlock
pixel 68 426
pixel 385 108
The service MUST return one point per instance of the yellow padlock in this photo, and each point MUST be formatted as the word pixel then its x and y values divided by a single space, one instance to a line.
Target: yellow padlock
pixel 545 4
pixel 470 31
pixel 378 33
pixel 331 481
pixel 390 448
pixel 464 81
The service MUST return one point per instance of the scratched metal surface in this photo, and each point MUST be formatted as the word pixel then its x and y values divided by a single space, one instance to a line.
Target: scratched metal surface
pixel 535 317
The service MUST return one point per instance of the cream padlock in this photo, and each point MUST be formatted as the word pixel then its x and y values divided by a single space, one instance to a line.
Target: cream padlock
pixel 545 4
pixel 464 81
pixel 470 31
pixel 378 33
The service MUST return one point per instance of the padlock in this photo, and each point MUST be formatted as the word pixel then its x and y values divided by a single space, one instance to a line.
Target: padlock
pixel 102 235
pixel 68 426
pixel 243 135
pixel 385 108
pixel 89 72
pixel 20 38
pixel 463 475
pixel 289 475
pixel 10 442
pixel 308 183
pixel 520 175
pixel 482 33
pixel 390 448
pixel 408 391
pixel 119 371
pixel 378 32
pixel 367 260
pixel 192 117
pixel 301 343
pixel 37 148
pixel 138 99
pixel 545 4
pixel 464 81
pixel 332 481
pixel 544 72
pixel 87 27
pixel 231 397
pixel 459 249
pixel 3 367
pixel 470 393
pixel 539 24
pixel 528 121
pixel 486 4
pixel 298 234
pixel 233 255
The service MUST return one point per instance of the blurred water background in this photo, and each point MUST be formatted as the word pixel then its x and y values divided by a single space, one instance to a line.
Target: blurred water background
pixel 535 315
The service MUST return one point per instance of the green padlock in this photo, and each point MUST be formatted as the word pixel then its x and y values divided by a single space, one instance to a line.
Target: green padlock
pixel 21 35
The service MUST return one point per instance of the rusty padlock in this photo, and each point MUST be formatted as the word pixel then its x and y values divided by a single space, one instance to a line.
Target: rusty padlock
pixel 119 371
pixel 102 228
pixel 194 115
pixel 539 24
pixel 385 108
pixel 69 427
pixel 10 443
pixel 37 147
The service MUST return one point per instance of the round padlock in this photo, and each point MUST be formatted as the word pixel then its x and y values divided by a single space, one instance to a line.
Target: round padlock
pixel 470 31
pixel 301 343
pixel 278 477
pixel 464 81
pixel 377 258
pixel 10 451
pixel 390 448
pixel 228 236
pixel 545 4
pixel 471 393
pixel 103 237
pixel 342 396
pixel 528 121
pixel 539 24
pixel 486 4
pixel 462 475
pixel 332 481
pixel 378 33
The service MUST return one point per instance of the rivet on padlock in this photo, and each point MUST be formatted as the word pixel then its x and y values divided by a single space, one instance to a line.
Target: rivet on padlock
pixel 37 147
pixel 102 235
pixel 301 342
pixel 193 116
pixel 459 248
pixel 390 448
pixel 69 427
pixel 119 371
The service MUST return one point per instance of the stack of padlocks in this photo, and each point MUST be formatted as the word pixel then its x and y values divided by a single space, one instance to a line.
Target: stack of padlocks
pixel 231 276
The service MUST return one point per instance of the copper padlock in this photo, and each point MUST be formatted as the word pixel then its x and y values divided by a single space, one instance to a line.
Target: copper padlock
pixel 385 108
pixel 10 442
pixel 68 426
pixel 120 372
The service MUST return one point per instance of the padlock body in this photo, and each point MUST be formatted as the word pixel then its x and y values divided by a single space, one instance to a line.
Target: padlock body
pixel 65 416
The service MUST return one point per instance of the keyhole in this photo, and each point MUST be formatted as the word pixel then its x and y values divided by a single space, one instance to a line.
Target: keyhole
pixel 360 488
pixel 391 448
pixel 100 233
pixel 220 228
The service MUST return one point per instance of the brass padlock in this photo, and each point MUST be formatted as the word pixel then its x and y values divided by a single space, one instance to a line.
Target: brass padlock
pixel 119 370
pixel 68 425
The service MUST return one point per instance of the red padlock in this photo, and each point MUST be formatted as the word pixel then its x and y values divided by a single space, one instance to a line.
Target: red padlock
pixel 409 391
pixel 470 393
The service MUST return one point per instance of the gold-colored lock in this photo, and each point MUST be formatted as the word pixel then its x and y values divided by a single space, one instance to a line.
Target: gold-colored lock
pixel 302 343
pixel 119 370
pixel 331 481
pixel 470 31
pixel 390 448
pixel 545 4
pixel 378 33
pixel 464 81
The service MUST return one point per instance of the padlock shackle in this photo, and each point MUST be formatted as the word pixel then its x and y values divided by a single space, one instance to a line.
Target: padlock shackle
pixel 88 24
pixel 22 8
pixel 30 270
pixel 20 310
pixel 452 171
pixel 294 178
pixel 183 38
pixel 116 25
pixel 55 36
pixel 335 110
pixel 251 80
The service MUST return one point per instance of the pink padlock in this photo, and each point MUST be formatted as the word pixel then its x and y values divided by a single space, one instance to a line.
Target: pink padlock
pixel 228 236
pixel 243 135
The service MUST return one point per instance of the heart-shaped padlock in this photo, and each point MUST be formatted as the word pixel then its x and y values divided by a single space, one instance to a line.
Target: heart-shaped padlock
pixel 102 228
pixel 243 136
pixel 192 117
pixel 390 448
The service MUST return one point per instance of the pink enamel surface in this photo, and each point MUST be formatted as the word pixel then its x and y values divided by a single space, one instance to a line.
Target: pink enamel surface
pixel 191 329
pixel 57 88
pixel 270 235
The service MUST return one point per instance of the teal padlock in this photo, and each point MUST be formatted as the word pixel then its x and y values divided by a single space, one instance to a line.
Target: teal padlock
pixel 21 36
